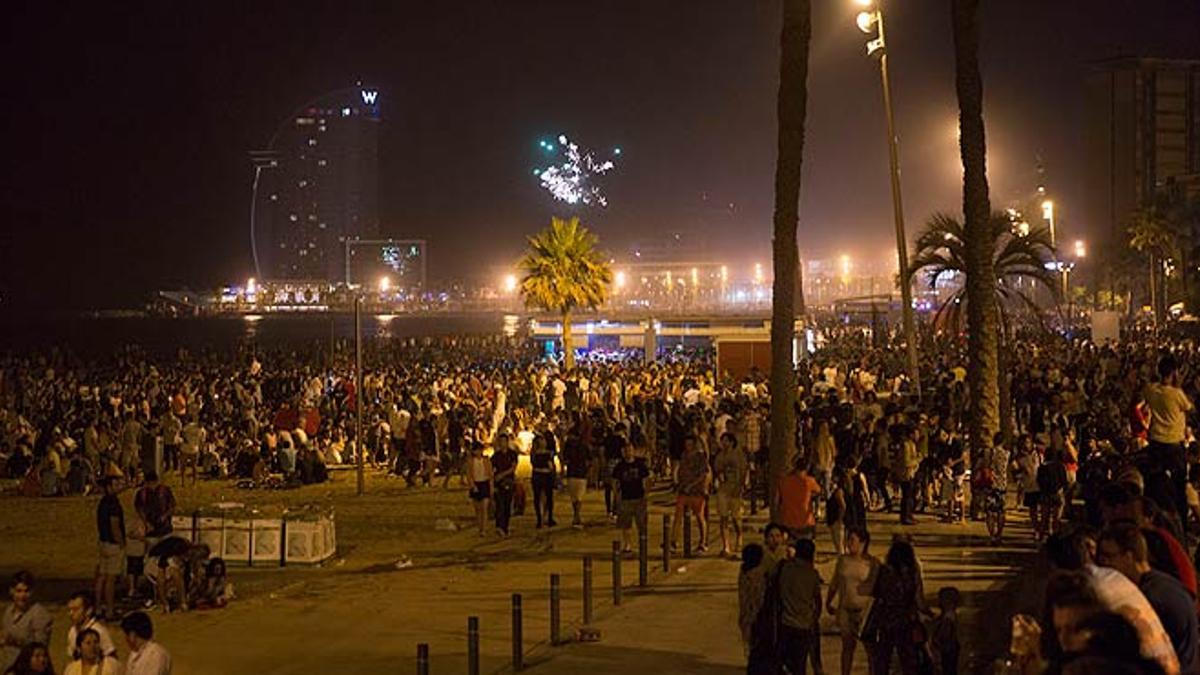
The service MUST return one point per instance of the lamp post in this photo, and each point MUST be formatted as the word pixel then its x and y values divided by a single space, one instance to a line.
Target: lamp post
pixel 358 393
pixel 869 21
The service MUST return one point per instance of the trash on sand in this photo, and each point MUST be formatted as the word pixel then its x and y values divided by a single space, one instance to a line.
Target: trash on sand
pixel 404 562
pixel 681 570
pixel 445 525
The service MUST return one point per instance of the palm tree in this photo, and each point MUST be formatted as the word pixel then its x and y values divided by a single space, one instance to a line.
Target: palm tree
pixel 563 272
pixel 791 109
pixel 1150 234
pixel 1019 264
pixel 983 368
pixel 1016 260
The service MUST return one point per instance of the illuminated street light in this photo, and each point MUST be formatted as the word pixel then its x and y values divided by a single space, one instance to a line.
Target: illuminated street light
pixel 510 283
pixel 1080 249
pixel 619 279
pixel 845 267
pixel 724 274
pixel 384 284
pixel 695 277
pixel 758 273
pixel 871 21
pixel 866 21
pixel 251 286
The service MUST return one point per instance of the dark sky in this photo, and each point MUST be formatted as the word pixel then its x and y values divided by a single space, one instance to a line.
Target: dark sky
pixel 127 131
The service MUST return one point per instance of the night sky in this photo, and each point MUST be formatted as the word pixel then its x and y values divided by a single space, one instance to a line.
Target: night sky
pixel 128 132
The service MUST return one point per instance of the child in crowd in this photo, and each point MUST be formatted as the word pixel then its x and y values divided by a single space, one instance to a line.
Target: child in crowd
pixel 215 590
pixel 944 631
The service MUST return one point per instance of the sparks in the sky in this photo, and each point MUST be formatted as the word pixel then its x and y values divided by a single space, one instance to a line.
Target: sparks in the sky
pixel 573 181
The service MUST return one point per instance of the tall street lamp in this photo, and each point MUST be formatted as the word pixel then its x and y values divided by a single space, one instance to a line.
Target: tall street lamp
pixel 870 21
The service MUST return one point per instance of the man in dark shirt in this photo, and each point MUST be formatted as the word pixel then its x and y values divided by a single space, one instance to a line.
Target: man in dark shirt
pixel 1123 547
pixel 576 457
pixel 155 503
pixel 630 474
pixel 110 526
pixel 504 468
pixel 799 587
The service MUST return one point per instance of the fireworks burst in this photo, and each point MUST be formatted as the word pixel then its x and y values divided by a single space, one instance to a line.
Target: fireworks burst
pixel 573 181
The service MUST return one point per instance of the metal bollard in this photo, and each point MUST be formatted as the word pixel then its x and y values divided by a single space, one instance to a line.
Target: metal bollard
pixel 666 545
pixel 555 614
pixel 643 553
pixel 518 653
pixel 472 645
pixel 587 590
pixel 422 659
pixel 616 573
pixel 687 533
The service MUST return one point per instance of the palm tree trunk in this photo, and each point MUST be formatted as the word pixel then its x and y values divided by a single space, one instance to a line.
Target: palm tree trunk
pixel 982 365
pixel 791 110
pixel 568 342
pixel 1153 295
pixel 1005 384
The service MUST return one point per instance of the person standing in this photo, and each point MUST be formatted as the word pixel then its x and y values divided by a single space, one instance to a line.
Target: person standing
pixel 895 616
pixel 541 459
pixel 110 527
pixel 799 586
pixel 851 587
pixel 691 491
pixel 479 472
pixel 578 461
pixel 146 657
pixel 194 438
pixel 155 504
pixel 24 621
pixel 1169 407
pixel 730 467
pixel 630 475
pixel 795 498
pixel 504 480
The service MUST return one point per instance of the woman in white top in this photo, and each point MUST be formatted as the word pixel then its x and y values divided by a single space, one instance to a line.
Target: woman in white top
pixel 92 660
pixel 479 472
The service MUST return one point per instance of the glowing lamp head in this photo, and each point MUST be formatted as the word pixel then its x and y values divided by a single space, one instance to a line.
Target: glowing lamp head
pixel 510 283
pixel 724 273
pixel 251 285
pixel 1080 249
pixel 866 22
pixel 619 279
pixel 864 3
pixel 1048 209
pixel 385 283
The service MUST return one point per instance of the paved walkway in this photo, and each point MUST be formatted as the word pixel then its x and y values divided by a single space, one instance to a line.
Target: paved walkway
pixel 686 622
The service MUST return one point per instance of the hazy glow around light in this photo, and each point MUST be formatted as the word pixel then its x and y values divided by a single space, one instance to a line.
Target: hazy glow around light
pixel 510 283
pixel 384 284
pixel 864 3
pixel 619 279
pixel 1080 249
pixel 865 21
pixel 251 286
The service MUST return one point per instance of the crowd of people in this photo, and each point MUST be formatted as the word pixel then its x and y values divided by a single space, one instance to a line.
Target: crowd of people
pixel 1096 438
